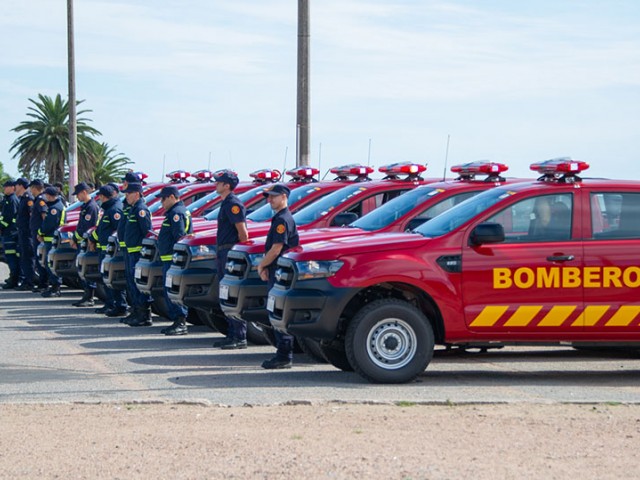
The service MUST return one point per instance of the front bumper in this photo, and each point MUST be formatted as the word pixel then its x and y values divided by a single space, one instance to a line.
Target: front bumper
pixel 88 264
pixel 310 309
pixel 193 287
pixel 148 277
pixel 246 299
pixel 62 261
pixel 113 271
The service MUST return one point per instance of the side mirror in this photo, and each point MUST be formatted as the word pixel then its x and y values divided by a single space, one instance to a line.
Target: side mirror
pixel 487 233
pixel 344 218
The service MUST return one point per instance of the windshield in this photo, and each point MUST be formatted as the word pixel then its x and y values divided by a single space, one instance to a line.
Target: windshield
pixel 327 204
pixel 203 201
pixel 265 212
pixel 243 197
pixel 462 213
pixel 394 209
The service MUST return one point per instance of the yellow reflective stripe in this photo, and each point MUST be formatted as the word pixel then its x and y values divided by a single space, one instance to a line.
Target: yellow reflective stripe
pixel 590 316
pixel 4 223
pixel 62 217
pixel 489 316
pixel 102 247
pixel 10 252
pixel 188 217
pixel 134 249
pixel 48 239
pixel 95 235
pixel 556 316
pixel 624 316
pixel 122 244
pixel 77 235
pixel 523 316
pixel 166 258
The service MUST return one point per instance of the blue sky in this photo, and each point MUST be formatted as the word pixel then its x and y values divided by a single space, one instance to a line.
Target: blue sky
pixel 185 81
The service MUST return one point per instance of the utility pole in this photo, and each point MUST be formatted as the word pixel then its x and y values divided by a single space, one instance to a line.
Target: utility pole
pixel 303 127
pixel 73 129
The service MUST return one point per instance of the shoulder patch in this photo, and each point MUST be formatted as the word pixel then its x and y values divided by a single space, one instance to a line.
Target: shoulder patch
pixel 142 213
pixel 176 217
pixel 280 228
pixel 30 203
pixel 87 217
pixel 42 203
pixel 53 211
pixel 116 216
pixel 235 209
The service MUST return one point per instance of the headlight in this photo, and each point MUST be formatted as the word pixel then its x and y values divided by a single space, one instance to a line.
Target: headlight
pixel 255 259
pixel 317 269
pixel 202 252
pixel 65 237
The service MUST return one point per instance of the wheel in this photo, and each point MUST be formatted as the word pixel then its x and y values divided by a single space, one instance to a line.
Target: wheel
pixel 101 292
pixel 270 337
pixel 192 317
pixel 389 341
pixel 159 307
pixel 255 334
pixel 335 354
pixel 214 320
pixel 312 348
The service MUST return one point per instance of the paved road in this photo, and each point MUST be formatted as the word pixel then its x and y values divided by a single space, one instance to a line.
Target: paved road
pixel 52 352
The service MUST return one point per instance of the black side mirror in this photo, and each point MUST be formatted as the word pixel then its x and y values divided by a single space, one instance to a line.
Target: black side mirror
pixel 344 218
pixel 487 233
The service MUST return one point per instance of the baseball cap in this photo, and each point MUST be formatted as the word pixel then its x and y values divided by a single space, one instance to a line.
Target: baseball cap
pixel 277 189
pixel 133 187
pixel 227 176
pixel 168 191
pixel 81 187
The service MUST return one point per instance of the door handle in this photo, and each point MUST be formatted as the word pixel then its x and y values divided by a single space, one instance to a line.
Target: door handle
pixel 560 258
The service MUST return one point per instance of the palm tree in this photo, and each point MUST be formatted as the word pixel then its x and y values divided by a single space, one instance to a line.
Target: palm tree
pixel 109 166
pixel 3 175
pixel 43 147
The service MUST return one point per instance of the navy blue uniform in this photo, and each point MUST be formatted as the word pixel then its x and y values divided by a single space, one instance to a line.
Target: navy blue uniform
pixel 87 219
pixel 283 230
pixel 176 224
pixel 9 231
pixel 136 228
pixel 51 222
pixel 25 243
pixel 107 224
pixel 38 213
pixel 232 211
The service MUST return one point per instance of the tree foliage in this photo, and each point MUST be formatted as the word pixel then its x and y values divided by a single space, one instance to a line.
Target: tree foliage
pixel 109 165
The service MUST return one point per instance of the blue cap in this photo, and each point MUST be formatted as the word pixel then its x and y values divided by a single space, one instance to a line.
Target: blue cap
pixel 51 191
pixel 133 187
pixel 226 176
pixel 115 186
pixel 36 183
pixel 107 191
pixel 131 177
pixel 277 189
pixel 9 183
pixel 81 187
pixel 22 181
pixel 168 191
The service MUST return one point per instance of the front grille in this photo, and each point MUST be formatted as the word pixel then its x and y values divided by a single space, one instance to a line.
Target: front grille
pixel 237 265
pixel 180 256
pixel 112 245
pixel 149 250
pixel 285 275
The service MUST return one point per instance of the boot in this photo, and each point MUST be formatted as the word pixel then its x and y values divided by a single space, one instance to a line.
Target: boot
pixel 10 284
pixel 179 327
pixel 87 299
pixel 133 315
pixel 52 291
pixel 143 319
pixel 103 309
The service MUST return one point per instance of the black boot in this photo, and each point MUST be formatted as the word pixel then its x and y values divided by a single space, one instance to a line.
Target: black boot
pixel 179 327
pixel 132 317
pixel 52 291
pixel 103 309
pixel 87 299
pixel 143 319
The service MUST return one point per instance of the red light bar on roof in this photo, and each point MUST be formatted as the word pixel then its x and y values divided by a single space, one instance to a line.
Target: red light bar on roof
pixel 559 166
pixel 405 168
pixel 353 169
pixel 303 172
pixel 266 174
pixel 480 167
pixel 202 175
pixel 141 175
pixel 178 175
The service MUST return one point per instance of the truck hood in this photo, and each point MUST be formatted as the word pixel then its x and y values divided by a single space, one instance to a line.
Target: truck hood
pixel 209 236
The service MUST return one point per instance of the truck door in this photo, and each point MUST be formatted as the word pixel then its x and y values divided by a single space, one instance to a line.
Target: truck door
pixel 527 287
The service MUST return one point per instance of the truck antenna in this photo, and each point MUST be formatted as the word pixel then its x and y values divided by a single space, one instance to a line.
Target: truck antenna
pixel 446 159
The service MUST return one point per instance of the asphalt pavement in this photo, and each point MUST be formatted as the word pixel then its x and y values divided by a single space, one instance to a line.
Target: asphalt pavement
pixel 53 352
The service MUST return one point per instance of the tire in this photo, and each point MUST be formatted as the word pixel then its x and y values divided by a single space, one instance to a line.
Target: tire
pixel 215 321
pixel 335 354
pixel 192 317
pixel 312 349
pixel 270 337
pixel 389 341
pixel 255 334
pixel 101 292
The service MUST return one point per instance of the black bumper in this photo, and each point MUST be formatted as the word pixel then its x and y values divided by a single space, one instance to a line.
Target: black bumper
pixel 148 277
pixel 88 264
pixel 113 271
pixel 246 299
pixel 312 309
pixel 62 261
pixel 194 287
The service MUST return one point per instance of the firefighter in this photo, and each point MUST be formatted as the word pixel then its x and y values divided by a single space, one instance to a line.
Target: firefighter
pixel 9 232
pixel 52 221
pixel 87 219
pixel 25 243
pixel 38 213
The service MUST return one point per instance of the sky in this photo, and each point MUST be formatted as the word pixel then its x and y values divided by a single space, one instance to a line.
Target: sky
pixel 191 84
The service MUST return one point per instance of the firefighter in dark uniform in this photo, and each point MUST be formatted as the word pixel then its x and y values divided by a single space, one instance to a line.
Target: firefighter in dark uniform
pixel 176 224
pixel 137 226
pixel 88 218
pixel 116 303
pixel 25 244
pixel 130 177
pixel 38 213
pixel 51 222
pixel 9 232
pixel 232 228
pixel 282 236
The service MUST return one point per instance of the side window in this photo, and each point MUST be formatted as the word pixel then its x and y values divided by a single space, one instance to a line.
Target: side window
pixel 545 218
pixel 443 206
pixel 615 215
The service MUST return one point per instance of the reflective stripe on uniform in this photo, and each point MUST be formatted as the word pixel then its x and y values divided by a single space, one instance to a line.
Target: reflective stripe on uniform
pixel 134 249
pixel 166 258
